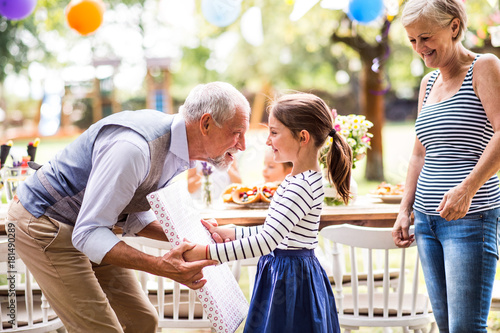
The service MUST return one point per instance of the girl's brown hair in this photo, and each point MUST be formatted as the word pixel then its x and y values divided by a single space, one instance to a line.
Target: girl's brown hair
pixel 308 112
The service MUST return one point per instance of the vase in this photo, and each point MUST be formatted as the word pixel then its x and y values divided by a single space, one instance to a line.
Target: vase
pixel 207 192
pixel 331 196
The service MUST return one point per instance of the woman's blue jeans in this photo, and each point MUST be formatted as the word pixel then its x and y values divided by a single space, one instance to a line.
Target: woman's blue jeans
pixel 459 260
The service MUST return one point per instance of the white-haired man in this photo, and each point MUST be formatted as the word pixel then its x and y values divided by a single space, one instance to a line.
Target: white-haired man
pixel 64 214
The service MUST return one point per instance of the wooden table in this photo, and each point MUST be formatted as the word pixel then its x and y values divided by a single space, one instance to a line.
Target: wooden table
pixel 364 212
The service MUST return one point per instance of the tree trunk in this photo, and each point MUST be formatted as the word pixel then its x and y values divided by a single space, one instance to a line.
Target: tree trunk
pixel 259 104
pixel 372 101
pixel 372 92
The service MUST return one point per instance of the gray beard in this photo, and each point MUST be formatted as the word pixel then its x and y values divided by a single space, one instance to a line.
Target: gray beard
pixel 220 162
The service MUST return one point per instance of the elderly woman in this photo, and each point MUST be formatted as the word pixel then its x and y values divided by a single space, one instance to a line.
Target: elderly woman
pixel 451 186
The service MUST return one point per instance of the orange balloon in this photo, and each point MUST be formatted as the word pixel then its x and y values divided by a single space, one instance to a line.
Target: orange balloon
pixel 85 16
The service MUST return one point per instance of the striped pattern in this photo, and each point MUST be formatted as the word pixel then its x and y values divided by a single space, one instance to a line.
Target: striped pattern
pixel 455 133
pixel 292 222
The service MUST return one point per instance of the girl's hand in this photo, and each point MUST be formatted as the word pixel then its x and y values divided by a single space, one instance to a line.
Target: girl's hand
pixel 219 234
pixel 198 252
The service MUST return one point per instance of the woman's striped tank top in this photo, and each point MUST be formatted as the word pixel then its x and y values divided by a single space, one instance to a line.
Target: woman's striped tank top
pixel 455 133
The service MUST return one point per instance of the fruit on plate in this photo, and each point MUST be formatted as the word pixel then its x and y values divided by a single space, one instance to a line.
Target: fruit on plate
pixel 267 191
pixel 246 195
pixel 227 195
pixel 388 189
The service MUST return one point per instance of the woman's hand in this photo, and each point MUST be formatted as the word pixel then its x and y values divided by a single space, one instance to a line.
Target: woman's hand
pixel 401 231
pixel 219 234
pixel 456 203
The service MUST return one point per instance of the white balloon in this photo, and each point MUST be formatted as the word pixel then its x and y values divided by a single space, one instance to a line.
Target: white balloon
pixel 300 8
pixel 392 7
pixel 334 4
pixel 493 3
pixel 251 26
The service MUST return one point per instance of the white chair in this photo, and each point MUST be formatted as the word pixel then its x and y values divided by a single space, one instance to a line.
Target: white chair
pixel 495 300
pixel 23 307
pixel 177 305
pixel 324 255
pixel 366 306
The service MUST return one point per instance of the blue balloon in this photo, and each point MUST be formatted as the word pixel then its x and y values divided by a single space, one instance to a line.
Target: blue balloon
pixel 221 12
pixel 365 11
pixel 17 9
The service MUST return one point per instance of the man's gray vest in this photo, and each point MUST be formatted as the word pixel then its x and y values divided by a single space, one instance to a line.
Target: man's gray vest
pixel 57 189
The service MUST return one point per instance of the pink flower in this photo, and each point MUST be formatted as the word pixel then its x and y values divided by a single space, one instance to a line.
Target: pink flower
pixel 365 139
pixel 337 127
pixel 334 113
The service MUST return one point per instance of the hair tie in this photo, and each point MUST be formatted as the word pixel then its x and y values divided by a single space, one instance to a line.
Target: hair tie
pixel 332 132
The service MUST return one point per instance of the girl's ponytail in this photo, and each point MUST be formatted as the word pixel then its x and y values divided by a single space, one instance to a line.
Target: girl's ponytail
pixel 339 164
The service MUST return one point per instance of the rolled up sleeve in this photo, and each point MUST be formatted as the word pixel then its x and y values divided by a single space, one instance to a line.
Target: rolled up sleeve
pixel 136 222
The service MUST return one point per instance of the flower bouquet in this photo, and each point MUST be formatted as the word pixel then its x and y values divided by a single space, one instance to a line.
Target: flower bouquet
pixel 354 129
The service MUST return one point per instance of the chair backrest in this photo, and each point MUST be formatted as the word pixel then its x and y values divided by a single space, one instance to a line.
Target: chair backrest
pixel 365 305
pixel 23 306
pixel 177 305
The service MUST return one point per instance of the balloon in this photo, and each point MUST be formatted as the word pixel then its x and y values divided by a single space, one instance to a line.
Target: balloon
pixel 365 11
pixel 301 7
pixel 251 26
pixel 17 9
pixel 221 12
pixel 85 16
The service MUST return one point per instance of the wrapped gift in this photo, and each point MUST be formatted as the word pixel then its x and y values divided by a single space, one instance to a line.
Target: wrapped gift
pixel 221 297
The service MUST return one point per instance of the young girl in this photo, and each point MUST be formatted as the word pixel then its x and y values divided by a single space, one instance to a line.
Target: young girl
pixel 292 292
pixel 274 172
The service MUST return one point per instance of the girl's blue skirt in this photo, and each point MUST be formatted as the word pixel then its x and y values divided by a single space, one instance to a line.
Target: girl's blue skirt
pixel 292 294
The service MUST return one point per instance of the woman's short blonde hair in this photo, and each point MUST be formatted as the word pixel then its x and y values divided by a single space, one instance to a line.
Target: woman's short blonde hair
pixel 441 12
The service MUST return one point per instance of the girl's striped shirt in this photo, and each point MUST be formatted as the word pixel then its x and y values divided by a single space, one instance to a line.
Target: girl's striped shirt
pixel 292 222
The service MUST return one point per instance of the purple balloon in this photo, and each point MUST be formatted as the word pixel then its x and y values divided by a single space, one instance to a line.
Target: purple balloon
pixel 17 9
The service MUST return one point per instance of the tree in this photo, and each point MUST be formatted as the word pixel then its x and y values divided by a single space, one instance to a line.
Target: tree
pixel 373 88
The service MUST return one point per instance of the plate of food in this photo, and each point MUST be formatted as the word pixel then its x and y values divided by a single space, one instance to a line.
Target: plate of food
pixel 389 193
pixel 387 198
pixel 253 205
pixel 252 197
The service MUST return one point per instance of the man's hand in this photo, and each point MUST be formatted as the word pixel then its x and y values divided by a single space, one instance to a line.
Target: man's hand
pixel 219 234
pixel 456 203
pixel 401 230
pixel 173 266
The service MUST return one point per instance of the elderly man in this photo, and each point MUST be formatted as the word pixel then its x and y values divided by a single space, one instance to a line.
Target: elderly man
pixel 65 212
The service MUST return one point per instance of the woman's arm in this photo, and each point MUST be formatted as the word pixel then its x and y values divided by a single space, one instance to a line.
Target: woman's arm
pixel 486 81
pixel 401 229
